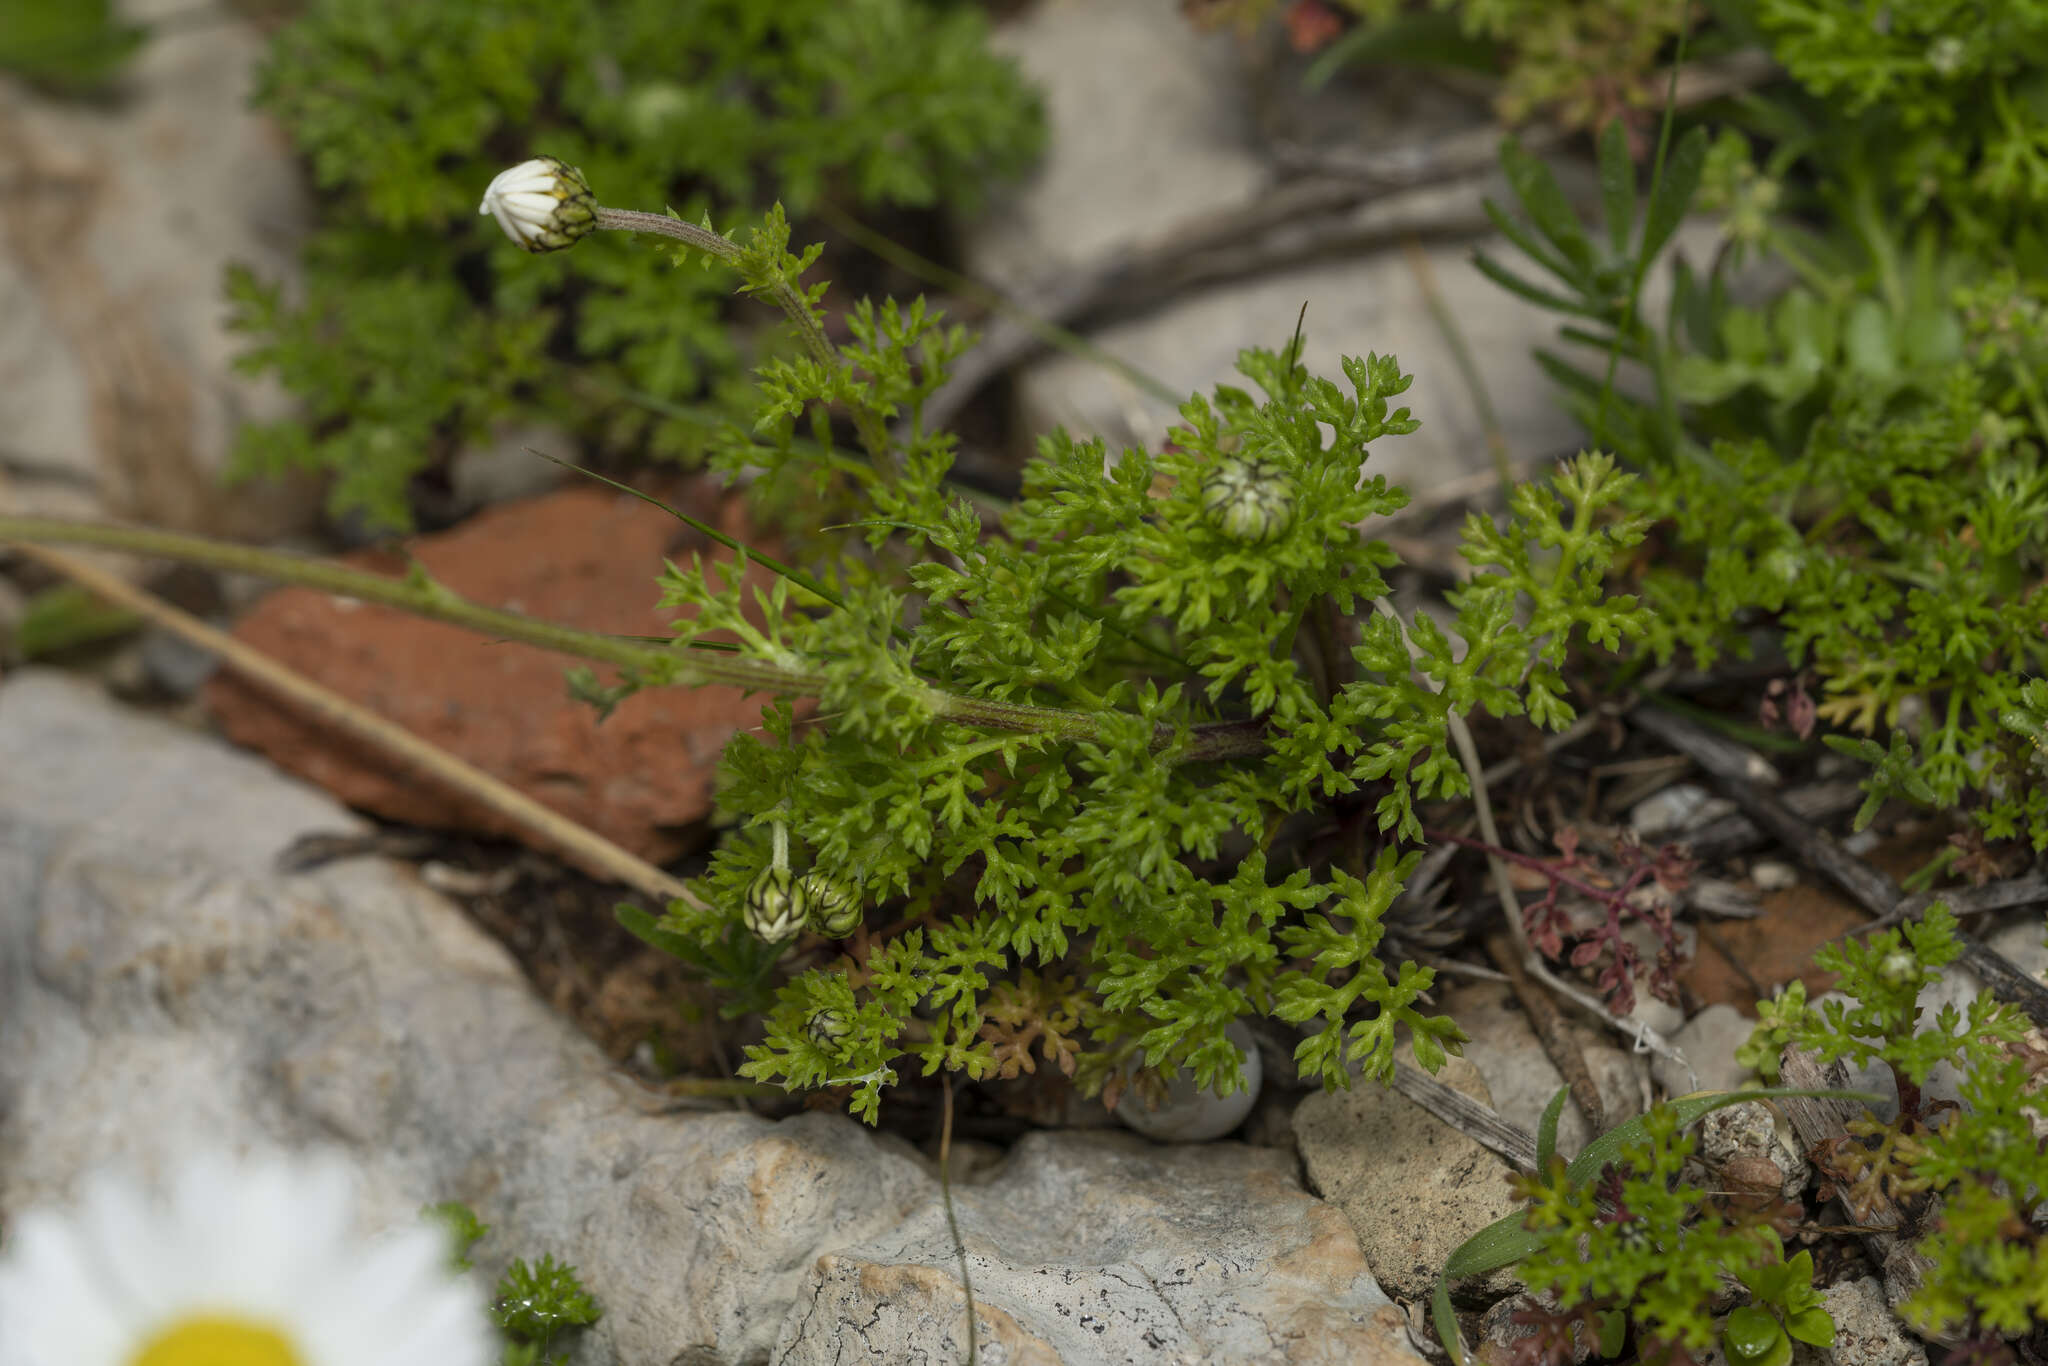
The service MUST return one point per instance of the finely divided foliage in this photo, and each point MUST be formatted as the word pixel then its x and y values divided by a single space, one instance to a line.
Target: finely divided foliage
pixel 417 333
pixel 1112 882
pixel 1984 1161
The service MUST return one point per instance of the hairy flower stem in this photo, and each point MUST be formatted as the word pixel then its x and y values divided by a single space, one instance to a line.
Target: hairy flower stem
pixel 653 664
pixel 873 433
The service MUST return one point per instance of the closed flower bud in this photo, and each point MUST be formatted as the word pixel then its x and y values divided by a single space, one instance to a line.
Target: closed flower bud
pixel 829 1028
pixel 543 204
pixel 834 909
pixel 773 911
pixel 1248 499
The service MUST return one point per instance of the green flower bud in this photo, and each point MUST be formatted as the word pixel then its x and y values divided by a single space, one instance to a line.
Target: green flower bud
pixel 834 909
pixel 829 1028
pixel 1248 499
pixel 773 911
pixel 543 204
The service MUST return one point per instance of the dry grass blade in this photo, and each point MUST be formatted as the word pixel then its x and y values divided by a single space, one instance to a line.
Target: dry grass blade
pixel 1480 1123
pixel 548 827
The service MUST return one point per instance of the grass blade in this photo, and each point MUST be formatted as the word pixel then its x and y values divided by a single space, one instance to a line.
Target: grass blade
pixel 1617 185
pixel 1672 195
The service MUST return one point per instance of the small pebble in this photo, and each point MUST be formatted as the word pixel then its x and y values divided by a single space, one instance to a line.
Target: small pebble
pixel 1773 875
pixel 1677 807
pixel 175 664
pixel 1191 1115
pixel 1661 1016
pixel 1867 1332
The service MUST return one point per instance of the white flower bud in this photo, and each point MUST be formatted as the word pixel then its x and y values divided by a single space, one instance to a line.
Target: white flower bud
pixel 1248 499
pixel 543 204
pixel 1945 54
pixel 773 911
pixel 1898 968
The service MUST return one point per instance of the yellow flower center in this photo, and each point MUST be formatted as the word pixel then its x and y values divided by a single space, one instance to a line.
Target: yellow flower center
pixel 218 1340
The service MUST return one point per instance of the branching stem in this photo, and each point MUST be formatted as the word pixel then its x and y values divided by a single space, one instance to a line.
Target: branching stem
pixel 656 665
pixel 874 434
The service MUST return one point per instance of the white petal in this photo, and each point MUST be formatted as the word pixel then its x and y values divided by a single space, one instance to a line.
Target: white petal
pixel 129 1254
pixel 496 208
pixel 52 1302
pixel 445 1332
pixel 267 1238
pixel 396 1302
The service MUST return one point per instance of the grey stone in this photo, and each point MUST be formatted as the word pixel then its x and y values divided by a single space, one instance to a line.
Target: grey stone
pixel 1708 1040
pixel 1413 1186
pixel 2019 940
pixel 162 986
pixel 1157 141
pixel 1721 897
pixel 1147 127
pixel 1747 1134
pixel 116 377
pixel 1372 303
pixel 1661 1016
pixel 1677 807
pixel 1498 1331
pixel 505 468
pixel 1867 1333
pixel 1773 875
pixel 1103 1248
pixel 174 663
pixel 1521 1077
pixel 1190 1114
pixel 1153 129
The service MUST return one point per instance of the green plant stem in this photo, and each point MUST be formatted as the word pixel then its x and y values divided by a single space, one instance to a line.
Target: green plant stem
pixel 1630 325
pixel 416 594
pixel 873 433
pixel 658 664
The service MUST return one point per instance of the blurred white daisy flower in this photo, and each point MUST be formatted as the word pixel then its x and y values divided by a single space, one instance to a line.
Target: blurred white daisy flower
pixel 543 204
pixel 248 1263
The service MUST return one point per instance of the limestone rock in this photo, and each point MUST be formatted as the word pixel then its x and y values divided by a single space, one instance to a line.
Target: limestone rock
pixel 1867 1333
pixel 1156 139
pixel 116 378
pixel 581 557
pixel 1147 128
pixel 1499 1332
pixel 1060 1236
pixel 1368 303
pixel 1520 1076
pixel 1413 1186
pixel 1708 1040
pixel 161 985
pixel 1748 1149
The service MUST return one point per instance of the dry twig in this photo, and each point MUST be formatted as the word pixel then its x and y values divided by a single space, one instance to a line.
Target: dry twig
pixel 1817 1121
pixel 1869 887
pixel 1477 1122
